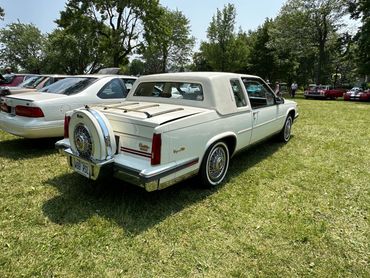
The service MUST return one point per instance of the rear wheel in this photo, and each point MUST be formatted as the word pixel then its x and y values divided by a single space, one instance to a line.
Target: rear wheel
pixel 215 164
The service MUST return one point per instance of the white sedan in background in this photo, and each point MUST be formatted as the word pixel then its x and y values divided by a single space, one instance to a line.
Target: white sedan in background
pixel 41 114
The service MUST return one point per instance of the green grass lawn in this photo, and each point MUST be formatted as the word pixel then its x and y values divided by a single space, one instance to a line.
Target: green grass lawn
pixel 300 209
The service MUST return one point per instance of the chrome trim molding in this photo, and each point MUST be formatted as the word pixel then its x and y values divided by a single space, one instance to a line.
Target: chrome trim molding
pixel 104 128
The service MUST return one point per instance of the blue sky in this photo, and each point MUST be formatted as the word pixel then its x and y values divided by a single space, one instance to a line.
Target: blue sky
pixel 250 13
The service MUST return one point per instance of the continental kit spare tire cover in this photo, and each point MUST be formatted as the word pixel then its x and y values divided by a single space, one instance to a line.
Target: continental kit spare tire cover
pixel 91 135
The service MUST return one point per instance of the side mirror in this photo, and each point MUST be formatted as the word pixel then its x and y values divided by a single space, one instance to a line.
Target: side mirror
pixel 279 100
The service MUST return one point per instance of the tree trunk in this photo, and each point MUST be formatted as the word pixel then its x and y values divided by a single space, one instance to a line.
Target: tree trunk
pixel 164 62
pixel 320 62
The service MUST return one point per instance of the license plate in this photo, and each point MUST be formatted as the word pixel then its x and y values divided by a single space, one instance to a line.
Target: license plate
pixel 82 167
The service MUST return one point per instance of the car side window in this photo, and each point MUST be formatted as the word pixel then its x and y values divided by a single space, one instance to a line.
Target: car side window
pixel 113 89
pixel 258 93
pixel 238 93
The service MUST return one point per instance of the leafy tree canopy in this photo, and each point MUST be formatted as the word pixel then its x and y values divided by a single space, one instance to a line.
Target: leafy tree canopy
pixel 169 45
pixel 117 24
pixel 306 27
pixel 22 47
pixel 225 50
pixel 360 9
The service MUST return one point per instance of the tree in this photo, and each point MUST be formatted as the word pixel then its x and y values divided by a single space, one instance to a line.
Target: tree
pixel 118 24
pixel 136 67
pixel 169 45
pixel 262 59
pixel 76 48
pixel 307 27
pixel 225 50
pixel 22 47
pixel 360 9
pixel 200 63
pixel 72 52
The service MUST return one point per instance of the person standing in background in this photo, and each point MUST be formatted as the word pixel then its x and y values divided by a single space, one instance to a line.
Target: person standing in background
pixel 277 88
pixel 293 88
pixel 8 70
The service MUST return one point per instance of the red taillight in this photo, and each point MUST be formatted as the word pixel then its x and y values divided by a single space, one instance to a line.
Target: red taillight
pixel 32 112
pixel 156 149
pixel 66 126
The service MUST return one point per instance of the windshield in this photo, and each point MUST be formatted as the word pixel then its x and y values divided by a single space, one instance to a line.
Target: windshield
pixel 178 90
pixel 356 89
pixel 69 86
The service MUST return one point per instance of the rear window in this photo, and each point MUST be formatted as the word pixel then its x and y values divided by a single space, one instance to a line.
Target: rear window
pixel 31 82
pixel 69 86
pixel 8 78
pixel 174 90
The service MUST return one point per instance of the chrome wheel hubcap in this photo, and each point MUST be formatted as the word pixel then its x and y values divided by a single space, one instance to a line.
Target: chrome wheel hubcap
pixel 82 140
pixel 287 129
pixel 216 163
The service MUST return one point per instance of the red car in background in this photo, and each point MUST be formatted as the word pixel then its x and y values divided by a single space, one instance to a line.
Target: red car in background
pixel 323 92
pixel 357 93
pixel 14 79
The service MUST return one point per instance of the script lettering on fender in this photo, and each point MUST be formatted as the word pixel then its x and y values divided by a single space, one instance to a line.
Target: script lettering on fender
pixel 179 150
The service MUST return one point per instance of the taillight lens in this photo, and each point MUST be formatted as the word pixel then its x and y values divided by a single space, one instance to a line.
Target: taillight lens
pixel 32 112
pixel 66 126
pixel 156 149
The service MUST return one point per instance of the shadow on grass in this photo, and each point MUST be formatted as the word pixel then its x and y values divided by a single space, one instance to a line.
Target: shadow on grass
pixel 21 148
pixel 253 155
pixel 357 102
pixel 132 208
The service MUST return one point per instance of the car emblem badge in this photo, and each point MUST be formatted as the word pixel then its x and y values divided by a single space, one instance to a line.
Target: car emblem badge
pixel 80 142
pixel 80 116
pixel 143 147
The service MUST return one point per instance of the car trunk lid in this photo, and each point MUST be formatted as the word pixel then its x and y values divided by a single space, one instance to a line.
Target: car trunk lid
pixel 138 126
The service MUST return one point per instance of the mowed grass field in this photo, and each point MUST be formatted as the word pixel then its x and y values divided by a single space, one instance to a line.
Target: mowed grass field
pixel 286 210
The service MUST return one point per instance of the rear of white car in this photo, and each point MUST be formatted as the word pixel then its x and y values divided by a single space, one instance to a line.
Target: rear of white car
pixel 129 138
pixel 30 117
pixel 41 114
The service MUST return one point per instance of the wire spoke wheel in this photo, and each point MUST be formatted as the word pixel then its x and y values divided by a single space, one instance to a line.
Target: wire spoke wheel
pixel 215 164
pixel 285 134
pixel 287 129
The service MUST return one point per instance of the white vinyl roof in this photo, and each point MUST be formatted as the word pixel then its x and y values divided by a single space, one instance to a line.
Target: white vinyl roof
pixel 216 86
